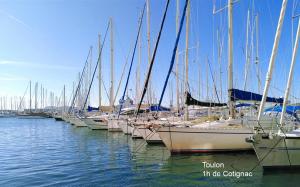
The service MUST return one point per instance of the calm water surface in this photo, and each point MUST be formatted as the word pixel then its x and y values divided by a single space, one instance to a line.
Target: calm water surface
pixel 44 152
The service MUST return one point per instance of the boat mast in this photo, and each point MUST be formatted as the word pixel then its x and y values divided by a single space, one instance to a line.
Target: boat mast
pixel 99 70
pixel 186 116
pixel 219 62
pixel 272 59
pixel 41 96
pixel 230 60
pixel 90 76
pixel 199 76
pixel 138 74
pixel 149 49
pixel 177 58
pixel 64 109
pixel 30 96
pixel 257 56
pixel 291 73
pixel 46 97
pixel 207 84
pixel 79 91
pixel 35 96
pixel 247 59
pixel 111 65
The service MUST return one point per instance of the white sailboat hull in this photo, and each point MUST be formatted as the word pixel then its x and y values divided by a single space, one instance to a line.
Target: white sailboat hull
pixel 95 125
pixel 126 128
pixel 148 135
pixel 135 133
pixel 277 151
pixel 186 139
pixel 113 126
pixel 77 122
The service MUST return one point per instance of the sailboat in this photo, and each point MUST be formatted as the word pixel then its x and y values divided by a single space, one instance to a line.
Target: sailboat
pixel 279 149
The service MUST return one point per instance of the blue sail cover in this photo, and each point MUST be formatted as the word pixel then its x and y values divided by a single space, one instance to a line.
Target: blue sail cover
pixel 289 109
pixel 89 109
pixel 249 96
pixel 243 104
pixel 158 108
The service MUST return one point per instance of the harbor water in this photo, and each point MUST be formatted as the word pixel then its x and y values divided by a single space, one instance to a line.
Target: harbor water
pixel 45 152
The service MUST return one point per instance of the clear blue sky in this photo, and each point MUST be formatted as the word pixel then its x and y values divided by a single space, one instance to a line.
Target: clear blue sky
pixel 48 41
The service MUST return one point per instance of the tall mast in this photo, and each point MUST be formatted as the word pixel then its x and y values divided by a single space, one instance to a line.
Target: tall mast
pixel 291 73
pixel 149 49
pixel 111 64
pixel 43 97
pixel 99 70
pixel 257 56
pixel 79 91
pixel 272 59
pixel 171 94
pixel 247 59
pixel 30 96
pixel 46 97
pixel 37 93
pixel 11 104
pixel 35 96
pixel 177 58
pixel 64 101
pixel 207 84
pixel 187 57
pixel 182 85
pixel 41 101
pixel 90 75
pixel 138 74
pixel 230 60
pixel 199 76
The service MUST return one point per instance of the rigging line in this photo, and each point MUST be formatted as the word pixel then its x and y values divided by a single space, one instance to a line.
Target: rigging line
pixel 128 76
pixel 153 58
pixel 79 83
pixel 121 78
pixel 272 23
pixel 99 56
pixel 212 76
pixel 174 54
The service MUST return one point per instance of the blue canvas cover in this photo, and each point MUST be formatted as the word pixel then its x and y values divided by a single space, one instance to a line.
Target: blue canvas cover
pixel 289 109
pixel 250 96
pixel 90 108
pixel 243 104
pixel 156 108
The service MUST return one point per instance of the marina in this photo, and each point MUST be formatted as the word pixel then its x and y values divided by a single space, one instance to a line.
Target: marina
pixel 181 93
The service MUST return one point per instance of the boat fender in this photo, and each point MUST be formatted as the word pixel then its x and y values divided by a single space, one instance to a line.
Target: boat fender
pixel 265 136
pixel 249 139
pixel 270 136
